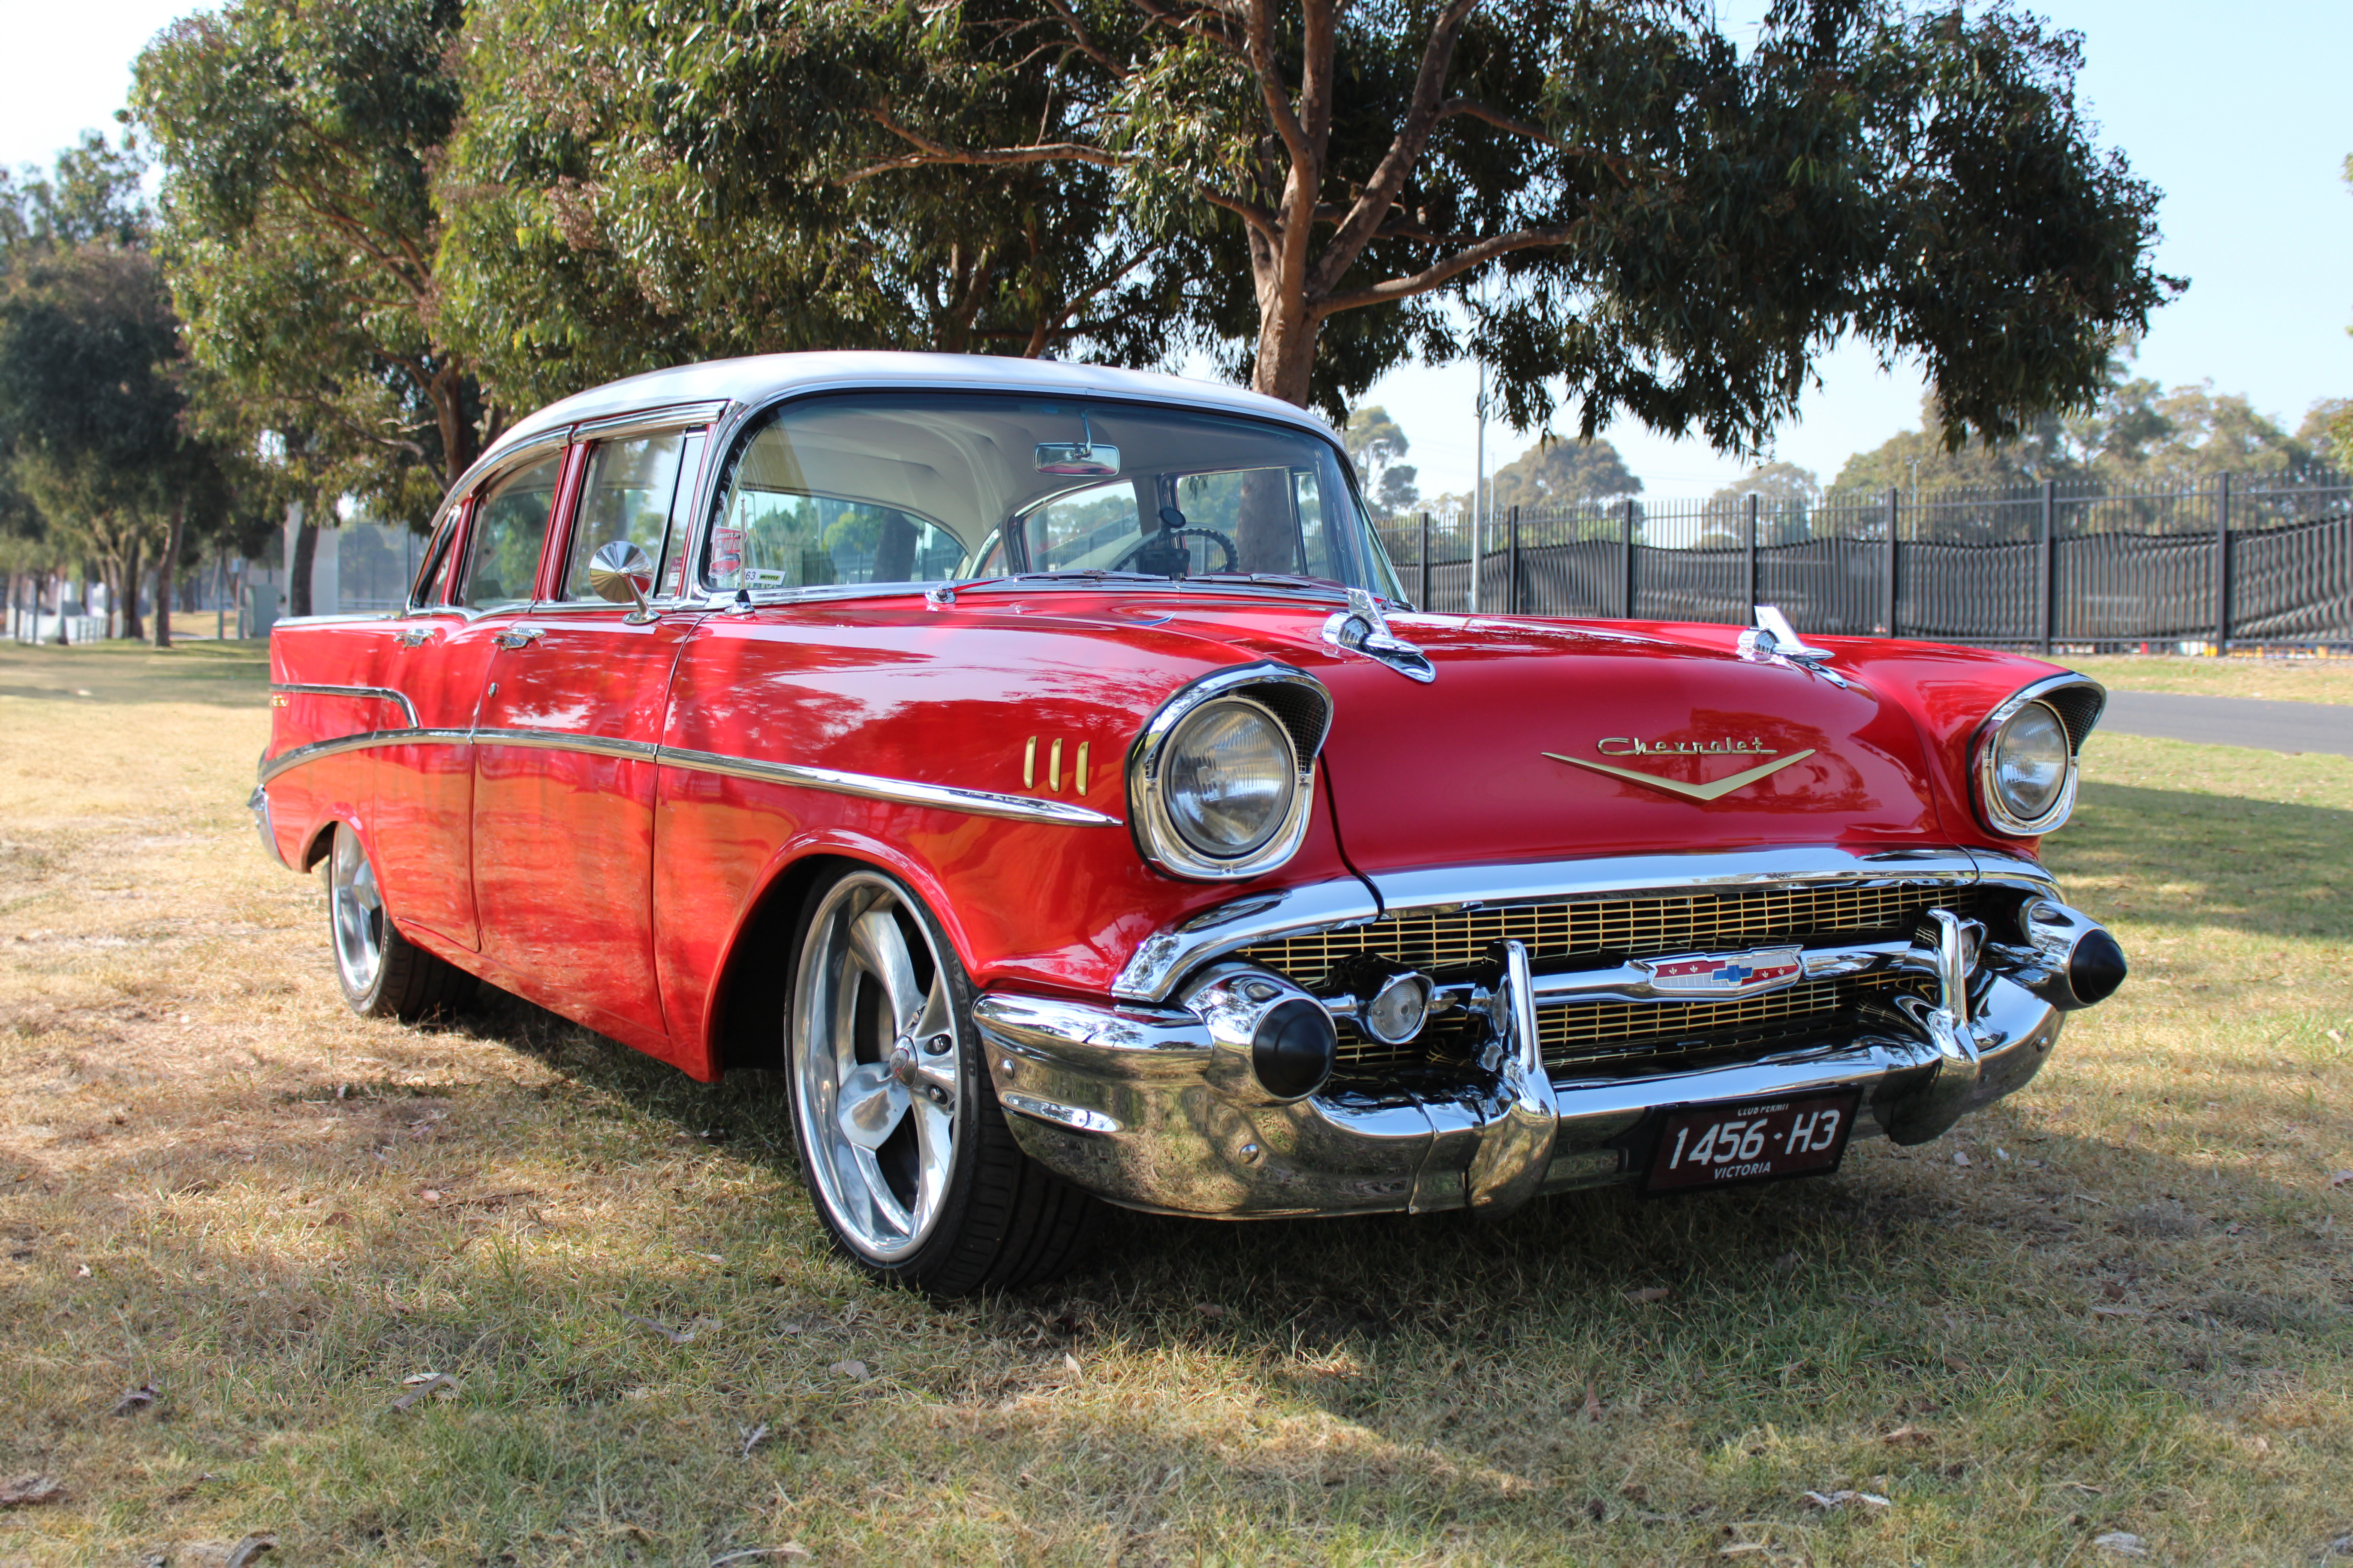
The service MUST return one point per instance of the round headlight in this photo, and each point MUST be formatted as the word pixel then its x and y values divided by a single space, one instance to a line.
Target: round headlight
pixel 1230 778
pixel 2027 770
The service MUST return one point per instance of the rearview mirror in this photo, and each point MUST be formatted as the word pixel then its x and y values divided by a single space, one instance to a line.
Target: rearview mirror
pixel 1079 459
pixel 621 573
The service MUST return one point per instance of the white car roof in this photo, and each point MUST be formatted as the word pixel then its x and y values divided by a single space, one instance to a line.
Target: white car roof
pixel 762 377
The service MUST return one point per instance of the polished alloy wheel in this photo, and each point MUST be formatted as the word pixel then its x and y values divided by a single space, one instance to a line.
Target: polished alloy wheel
pixel 877 1066
pixel 356 911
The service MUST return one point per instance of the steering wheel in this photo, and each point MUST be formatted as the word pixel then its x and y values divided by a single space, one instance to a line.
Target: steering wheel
pixel 1161 539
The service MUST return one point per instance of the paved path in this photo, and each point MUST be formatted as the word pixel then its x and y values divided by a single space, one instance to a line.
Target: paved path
pixel 2232 721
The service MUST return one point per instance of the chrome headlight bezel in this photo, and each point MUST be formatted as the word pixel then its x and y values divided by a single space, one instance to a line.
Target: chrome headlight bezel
pixel 2074 703
pixel 1300 709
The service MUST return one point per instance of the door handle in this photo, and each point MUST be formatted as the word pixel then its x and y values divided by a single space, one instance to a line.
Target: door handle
pixel 518 636
pixel 417 637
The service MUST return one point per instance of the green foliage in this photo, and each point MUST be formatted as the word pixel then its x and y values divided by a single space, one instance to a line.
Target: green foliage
pixel 1786 498
pixel 1553 475
pixel 301 234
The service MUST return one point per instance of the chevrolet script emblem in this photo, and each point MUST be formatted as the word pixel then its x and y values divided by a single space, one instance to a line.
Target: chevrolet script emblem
pixel 1628 746
pixel 1725 973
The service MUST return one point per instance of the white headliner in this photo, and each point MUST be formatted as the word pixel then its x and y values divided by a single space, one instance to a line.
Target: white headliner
pixel 760 378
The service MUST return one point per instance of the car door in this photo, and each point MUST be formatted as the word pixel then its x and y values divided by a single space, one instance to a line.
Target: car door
pixel 424 790
pixel 565 745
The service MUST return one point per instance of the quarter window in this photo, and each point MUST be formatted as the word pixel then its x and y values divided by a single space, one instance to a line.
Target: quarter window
pixel 510 531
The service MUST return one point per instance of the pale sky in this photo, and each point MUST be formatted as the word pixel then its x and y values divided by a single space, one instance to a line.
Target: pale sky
pixel 2240 115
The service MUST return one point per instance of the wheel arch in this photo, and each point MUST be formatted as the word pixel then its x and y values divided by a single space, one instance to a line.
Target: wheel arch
pixel 744 1027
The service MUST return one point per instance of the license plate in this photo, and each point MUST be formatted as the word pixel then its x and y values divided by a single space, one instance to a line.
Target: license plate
pixel 1751 1141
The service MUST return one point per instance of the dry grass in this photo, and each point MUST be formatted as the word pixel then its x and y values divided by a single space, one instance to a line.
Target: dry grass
pixel 2282 680
pixel 2128 1313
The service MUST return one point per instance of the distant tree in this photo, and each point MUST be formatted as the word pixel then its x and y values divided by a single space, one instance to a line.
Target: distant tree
pixel 1374 443
pixel 1920 459
pixel 2328 429
pixel 301 236
pixel 2142 436
pixel 1786 498
pixel 1557 474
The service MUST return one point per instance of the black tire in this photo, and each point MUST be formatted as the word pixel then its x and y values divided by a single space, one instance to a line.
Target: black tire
pixel 382 973
pixel 985 1217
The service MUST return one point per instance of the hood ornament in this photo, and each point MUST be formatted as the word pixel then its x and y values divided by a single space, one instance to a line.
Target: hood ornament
pixel 1363 628
pixel 1773 640
pixel 1714 790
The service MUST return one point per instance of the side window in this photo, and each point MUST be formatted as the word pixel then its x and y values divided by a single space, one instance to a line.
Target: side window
pixel 1257 508
pixel 433 577
pixel 631 494
pixel 508 532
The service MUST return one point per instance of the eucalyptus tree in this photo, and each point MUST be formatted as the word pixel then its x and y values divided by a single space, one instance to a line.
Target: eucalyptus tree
pixel 638 184
pixel 1610 201
pixel 301 233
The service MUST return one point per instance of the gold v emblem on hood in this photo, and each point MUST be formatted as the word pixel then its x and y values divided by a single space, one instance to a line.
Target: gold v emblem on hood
pixel 1674 786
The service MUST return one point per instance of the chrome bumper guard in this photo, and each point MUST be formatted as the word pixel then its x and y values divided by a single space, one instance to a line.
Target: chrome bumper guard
pixel 257 803
pixel 1123 1098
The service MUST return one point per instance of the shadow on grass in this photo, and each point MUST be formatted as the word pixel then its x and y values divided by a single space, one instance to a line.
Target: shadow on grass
pixel 2187 858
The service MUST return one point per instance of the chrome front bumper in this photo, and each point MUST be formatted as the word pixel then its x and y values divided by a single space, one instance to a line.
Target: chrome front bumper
pixel 1122 1100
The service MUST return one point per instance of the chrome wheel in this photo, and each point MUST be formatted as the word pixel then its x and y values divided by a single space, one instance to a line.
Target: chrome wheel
pixel 355 912
pixel 877 1066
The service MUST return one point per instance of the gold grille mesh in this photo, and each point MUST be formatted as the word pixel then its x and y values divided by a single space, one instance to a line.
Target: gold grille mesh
pixel 1637 928
pixel 1587 1033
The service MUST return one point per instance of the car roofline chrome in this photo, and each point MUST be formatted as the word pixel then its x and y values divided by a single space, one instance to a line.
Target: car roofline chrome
pixel 1164 958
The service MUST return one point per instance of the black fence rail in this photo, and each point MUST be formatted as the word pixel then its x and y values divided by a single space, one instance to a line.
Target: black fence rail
pixel 2224 561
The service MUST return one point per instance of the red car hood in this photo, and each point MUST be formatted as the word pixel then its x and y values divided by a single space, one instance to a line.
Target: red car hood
pixel 1539 740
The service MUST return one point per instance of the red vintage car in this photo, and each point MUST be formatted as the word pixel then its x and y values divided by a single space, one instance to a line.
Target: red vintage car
pixel 1043 766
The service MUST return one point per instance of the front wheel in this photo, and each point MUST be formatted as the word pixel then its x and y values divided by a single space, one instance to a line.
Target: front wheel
pixel 383 973
pixel 901 1141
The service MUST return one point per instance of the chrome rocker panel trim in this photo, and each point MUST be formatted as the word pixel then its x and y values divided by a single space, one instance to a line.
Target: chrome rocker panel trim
pixel 905 792
pixel 1117 1100
pixel 1168 957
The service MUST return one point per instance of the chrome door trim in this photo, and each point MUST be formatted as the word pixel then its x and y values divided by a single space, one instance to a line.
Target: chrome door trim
pixel 868 786
pixel 371 693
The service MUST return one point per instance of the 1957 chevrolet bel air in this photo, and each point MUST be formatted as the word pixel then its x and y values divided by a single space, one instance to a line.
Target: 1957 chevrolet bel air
pixel 1043 766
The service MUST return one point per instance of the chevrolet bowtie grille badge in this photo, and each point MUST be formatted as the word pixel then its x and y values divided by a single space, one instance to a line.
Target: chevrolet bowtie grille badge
pixel 1725 973
pixel 1626 746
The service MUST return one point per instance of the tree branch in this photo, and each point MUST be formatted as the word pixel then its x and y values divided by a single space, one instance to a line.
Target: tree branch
pixel 1432 276
pixel 929 153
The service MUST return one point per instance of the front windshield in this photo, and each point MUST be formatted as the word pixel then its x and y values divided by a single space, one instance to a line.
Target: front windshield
pixel 942 488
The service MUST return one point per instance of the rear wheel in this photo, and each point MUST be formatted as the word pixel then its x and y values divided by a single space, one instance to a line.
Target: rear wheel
pixel 901 1141
pixel 383 973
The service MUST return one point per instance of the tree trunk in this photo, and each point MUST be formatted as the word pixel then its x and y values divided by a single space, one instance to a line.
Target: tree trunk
pixel 167 570
pixel 62 638
pixel 133 627
pixel 306 550
pixel 1286 348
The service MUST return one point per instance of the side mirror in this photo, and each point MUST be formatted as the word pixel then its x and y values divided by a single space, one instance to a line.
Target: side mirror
pixel 621 573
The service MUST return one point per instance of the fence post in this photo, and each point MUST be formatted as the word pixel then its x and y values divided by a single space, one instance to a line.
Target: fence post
pixel 1512 594
pixel 1893 519
pixel 1629 548
pixel 1423 603
pixel 2050 565
pixel 2222 567
pixel 1752 556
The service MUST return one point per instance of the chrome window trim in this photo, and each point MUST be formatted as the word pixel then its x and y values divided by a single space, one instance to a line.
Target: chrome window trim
pixel 868 786
pixel 1162 960
pixel 677 416
pixel 367 693
pixel 1157 834
pixel 1991 811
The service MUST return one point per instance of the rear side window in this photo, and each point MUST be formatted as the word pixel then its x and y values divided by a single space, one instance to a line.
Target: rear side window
pixel 433 577
pixel 631 494
pixel 508 532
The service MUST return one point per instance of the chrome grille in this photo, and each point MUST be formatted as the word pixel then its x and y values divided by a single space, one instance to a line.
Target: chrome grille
pixel 1636 927
pixel 1654 1033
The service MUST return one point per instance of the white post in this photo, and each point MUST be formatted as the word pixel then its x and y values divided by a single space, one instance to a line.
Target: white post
pixel 1478 493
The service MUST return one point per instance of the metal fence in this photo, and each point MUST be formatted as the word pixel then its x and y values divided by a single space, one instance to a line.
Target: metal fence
pixel 2228 561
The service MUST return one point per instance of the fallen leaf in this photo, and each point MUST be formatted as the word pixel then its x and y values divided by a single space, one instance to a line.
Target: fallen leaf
pixel 2123 1543
pixel 2118 1312
pixel 1209 1310
pixel 711 1258
pixel 1742 1549
pixel 2080 1487
pixel 1649 1294
pixel 1592 1409
pixel 849 1369
pixel 1909 1435
pixel 135 1400
pixel 753 1439
pixel 1841 1498
pixel 789 1549
pixel 1071 1364
pixel 1960 1158
pixel 426 1385
pixel 2336 1179
pixel 27 1491
pixel 2340 1547
pixel 237 1554
pixel 83 1272
pixel 792 1328
pixel 684 1336
pixel 430 1196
